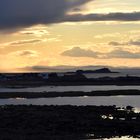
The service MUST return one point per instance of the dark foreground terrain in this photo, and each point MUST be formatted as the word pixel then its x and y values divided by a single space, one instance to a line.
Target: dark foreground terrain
pixel 67 122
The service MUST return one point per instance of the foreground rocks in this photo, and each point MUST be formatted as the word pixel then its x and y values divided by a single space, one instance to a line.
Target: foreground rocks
pixel 67 122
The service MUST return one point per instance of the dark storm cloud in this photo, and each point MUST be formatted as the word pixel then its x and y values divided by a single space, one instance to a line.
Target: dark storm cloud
pixel 135 16
pixel 23 13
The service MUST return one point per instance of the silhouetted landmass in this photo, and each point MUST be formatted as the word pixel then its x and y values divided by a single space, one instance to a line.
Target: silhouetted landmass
pixel 7 95
pixel 69 80
pixel 65 79
pixel 67 122
pixel 103 70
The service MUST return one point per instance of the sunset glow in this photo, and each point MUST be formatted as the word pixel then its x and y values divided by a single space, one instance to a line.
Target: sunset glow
pixel 85 32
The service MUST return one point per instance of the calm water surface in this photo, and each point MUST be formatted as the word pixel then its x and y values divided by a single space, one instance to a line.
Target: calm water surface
pixel 121 101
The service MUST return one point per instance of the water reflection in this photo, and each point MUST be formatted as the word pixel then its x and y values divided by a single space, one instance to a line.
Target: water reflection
pixel 122 138
pixel 117 138
pixel 121 101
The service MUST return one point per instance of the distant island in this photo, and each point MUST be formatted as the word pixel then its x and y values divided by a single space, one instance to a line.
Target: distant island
pixel 102 70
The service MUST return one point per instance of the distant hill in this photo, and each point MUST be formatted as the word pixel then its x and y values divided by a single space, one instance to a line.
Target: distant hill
pixel 65 68
pixel 102 70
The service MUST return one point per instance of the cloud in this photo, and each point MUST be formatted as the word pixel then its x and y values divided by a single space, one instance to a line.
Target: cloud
pixel 114 43
pixel 21 42
pixel 117 53
pixel 38 68
pixel 24 13
pixel 134 16
pixel 29 41
pixel 137 42
pixel 79 52
pixel 37 31
pixel 131 42
pixel 25 53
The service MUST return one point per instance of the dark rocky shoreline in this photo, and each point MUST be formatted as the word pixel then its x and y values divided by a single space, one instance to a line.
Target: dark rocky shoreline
pixel 67 122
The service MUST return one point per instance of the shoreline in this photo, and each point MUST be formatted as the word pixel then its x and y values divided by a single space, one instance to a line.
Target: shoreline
pixel 34 84
pixel 28 95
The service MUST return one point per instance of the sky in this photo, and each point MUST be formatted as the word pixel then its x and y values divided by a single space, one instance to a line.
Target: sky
pixel 47 33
